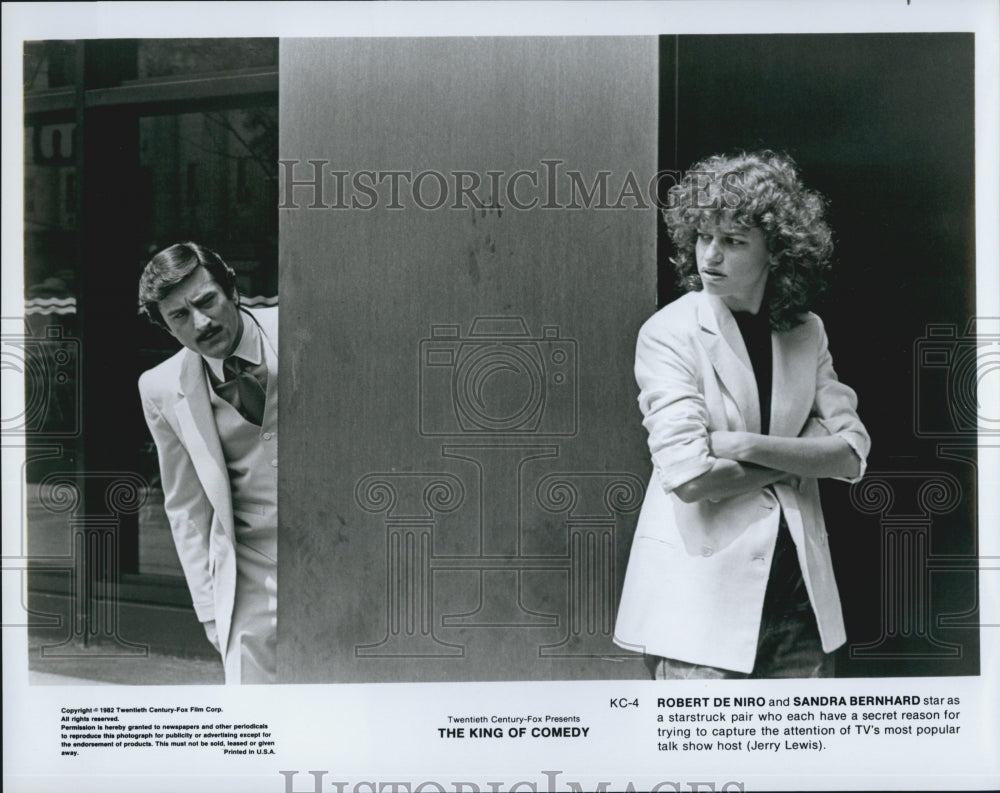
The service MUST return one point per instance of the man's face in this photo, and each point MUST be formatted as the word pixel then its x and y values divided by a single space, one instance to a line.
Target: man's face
pixel 201 316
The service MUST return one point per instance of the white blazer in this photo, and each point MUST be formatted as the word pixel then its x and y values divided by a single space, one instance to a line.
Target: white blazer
pixel 196 489
pixel 696 577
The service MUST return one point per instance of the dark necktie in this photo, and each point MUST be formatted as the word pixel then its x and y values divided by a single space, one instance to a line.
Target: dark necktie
pixel 242 390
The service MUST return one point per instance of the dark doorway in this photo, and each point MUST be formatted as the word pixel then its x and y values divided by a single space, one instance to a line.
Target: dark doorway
pixel 883 125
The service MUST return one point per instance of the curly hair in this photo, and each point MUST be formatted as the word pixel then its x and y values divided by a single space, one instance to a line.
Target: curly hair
pixel 761 189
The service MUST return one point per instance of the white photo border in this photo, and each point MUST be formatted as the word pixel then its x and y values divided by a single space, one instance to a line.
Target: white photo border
pixel 386 736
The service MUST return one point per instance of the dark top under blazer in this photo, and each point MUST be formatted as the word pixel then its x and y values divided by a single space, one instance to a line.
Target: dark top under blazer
pixel 696 577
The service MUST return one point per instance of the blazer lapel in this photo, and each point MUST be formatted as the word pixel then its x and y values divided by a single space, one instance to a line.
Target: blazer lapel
pixel 722 340
pixel 197 423
pixel 793 379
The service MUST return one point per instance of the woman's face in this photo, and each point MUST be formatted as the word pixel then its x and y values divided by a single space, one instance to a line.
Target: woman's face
pixel 733 263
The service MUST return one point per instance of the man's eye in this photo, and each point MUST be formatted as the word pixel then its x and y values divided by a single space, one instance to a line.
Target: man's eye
pixel 734 241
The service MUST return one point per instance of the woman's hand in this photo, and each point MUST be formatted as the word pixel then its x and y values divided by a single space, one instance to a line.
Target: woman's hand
pixel 730 445
pixel 816 457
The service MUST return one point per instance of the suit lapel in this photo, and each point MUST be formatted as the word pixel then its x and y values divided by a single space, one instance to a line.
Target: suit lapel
pixel 197 423
pixel 724 344
pixel 793 380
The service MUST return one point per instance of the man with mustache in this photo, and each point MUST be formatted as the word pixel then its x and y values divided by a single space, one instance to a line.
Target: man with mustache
pixel 213 412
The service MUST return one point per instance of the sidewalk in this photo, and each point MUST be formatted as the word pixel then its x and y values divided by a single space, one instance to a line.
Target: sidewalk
pixel 104 665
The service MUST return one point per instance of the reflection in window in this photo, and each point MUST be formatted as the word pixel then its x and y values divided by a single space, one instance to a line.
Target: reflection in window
pixel 212 177
pixel 192 184
pixel 169 57
pixel 50 200
pixel 49 64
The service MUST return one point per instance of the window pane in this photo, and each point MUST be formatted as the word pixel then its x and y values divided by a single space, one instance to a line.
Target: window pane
pixel 49 64
pixel 210 177
pixel 166 57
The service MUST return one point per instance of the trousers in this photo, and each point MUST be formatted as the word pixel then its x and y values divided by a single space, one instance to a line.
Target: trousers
pixel 252 653
pixel 788 644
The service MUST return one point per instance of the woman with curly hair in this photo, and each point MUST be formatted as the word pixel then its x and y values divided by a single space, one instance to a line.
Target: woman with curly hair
pixel 730 573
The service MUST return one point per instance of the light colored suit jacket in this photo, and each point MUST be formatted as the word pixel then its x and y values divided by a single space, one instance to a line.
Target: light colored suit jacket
pixel 695 583
pixel 196 489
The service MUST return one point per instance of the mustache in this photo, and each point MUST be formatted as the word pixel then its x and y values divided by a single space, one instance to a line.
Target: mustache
pixel 208 333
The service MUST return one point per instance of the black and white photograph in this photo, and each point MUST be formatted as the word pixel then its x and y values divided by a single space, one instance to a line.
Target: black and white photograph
pixel 639 396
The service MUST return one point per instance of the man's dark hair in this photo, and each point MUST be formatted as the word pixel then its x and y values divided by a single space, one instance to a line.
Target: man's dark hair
pixel 171 266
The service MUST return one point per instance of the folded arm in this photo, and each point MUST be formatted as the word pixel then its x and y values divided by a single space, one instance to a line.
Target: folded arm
pixel 695 463
pixel 727 478
pixel 673 405
pixel 817 457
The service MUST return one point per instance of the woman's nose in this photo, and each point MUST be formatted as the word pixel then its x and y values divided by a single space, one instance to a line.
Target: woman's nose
pixel 713 252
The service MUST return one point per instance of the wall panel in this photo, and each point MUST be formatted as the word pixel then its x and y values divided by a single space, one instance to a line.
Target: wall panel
pixel 462 454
